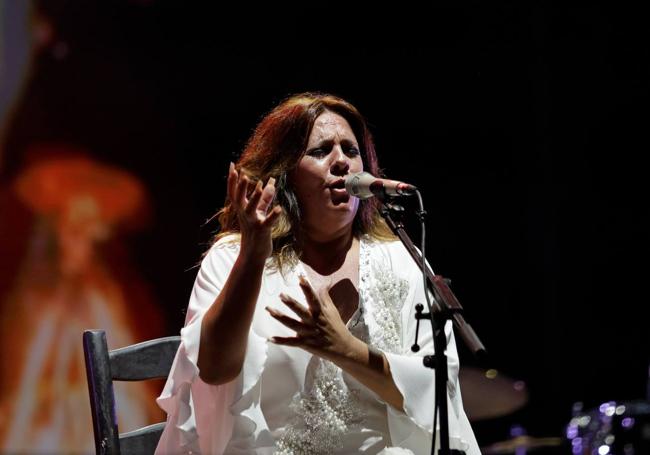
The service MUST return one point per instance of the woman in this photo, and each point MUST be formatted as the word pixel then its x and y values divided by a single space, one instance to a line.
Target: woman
pixel 298 334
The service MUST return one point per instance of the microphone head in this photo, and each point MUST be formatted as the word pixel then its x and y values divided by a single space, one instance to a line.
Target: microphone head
pixel 358 185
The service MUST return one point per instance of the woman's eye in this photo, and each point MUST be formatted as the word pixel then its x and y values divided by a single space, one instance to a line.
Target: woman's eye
pixel 352 151
pixel 317 152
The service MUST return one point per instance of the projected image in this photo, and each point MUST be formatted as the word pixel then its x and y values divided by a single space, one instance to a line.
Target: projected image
pixel 64 285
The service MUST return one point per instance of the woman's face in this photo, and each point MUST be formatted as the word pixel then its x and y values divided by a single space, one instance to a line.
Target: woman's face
pixel 332 153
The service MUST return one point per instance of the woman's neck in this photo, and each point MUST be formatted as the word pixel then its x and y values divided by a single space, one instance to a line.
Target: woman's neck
pixel 326 255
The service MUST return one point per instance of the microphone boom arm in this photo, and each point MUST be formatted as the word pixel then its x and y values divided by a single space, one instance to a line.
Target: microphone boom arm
pixel 445 300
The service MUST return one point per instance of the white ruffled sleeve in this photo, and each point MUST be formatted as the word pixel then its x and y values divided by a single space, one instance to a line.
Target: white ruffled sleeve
pixel 200 418
pixel 412 428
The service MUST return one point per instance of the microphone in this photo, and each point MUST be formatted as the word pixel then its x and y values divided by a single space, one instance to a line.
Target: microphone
pixel 364 185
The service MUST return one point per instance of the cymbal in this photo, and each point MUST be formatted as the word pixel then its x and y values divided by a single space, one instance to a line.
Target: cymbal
pixel 488 393
pixel 521 442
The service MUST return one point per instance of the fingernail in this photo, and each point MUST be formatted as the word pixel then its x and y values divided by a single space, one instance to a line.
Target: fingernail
pixel 232 166
pixel 271 339
pixel 271 181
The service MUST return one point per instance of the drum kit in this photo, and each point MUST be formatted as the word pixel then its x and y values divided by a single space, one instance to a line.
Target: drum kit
pixel 613 428
pixel 488 393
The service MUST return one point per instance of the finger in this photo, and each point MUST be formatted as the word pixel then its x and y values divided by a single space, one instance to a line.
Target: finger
pixel 267 196
pixel 232 181
pixel 255 198
pixel 240 194
pixel 324 295
pixel 296 307
pixel 252 185
pixel 291 323
pixel 310 295
pixel 287 341
pixel 273 216
pixel 310 345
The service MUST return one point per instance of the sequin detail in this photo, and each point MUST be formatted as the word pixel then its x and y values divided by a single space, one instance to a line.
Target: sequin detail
pixel 322 416
pixel 383 293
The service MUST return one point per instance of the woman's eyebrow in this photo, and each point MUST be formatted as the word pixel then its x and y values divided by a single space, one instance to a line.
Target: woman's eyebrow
pixel 330 143
pixel 349 142
pixel 323 143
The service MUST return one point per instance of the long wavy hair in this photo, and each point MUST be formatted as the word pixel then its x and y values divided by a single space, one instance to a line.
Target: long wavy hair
pixel 276 146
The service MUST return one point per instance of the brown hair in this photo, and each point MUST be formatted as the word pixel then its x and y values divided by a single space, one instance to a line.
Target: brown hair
pixel 274 150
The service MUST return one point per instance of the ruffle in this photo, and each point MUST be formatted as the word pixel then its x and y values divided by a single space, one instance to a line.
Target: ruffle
pixel 246 411
pixel 395 451
pixel 176 401
pixel 235 405
pixel 413 428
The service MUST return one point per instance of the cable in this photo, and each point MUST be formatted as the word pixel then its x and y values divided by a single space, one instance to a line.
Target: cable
pixel 421 213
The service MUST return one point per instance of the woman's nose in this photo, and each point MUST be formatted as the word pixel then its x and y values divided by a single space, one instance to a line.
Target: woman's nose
pixel 340 163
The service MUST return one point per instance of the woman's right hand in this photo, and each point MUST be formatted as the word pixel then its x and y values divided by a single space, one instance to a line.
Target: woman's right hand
pixel 254 213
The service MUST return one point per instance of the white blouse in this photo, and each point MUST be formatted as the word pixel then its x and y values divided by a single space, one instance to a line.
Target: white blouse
pixel 287 401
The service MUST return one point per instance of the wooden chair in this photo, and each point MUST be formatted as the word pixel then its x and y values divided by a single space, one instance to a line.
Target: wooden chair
pixel 147 360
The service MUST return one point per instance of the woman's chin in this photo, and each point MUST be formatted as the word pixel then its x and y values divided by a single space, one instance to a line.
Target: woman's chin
pixel 335 213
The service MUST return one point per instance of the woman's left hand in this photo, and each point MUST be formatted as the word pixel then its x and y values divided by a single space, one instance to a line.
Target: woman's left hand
pixel 320 330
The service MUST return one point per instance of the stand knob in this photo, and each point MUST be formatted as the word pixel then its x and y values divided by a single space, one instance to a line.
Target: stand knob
pixel 418 311
pixel 429 361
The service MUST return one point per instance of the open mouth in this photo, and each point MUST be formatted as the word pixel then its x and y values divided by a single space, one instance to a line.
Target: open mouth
pixel 338 184
pixel 338 191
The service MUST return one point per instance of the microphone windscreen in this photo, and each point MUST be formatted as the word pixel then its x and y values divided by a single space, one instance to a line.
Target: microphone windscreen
pixel 358 185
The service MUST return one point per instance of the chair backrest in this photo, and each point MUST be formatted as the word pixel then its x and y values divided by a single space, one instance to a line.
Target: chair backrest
pixel 147 360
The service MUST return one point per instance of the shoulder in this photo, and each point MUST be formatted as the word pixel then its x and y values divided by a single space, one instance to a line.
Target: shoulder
pixel 392 250
pixel 223 252
pixel 389 255
pixel 229 242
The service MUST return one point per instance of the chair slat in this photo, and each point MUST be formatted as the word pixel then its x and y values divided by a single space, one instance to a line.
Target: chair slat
pixel 141 441
pixel 147 360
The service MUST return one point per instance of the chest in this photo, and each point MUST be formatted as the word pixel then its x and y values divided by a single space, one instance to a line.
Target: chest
pixel 342 286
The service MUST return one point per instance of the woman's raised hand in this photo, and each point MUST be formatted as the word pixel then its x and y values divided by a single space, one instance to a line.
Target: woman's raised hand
pixel 254 213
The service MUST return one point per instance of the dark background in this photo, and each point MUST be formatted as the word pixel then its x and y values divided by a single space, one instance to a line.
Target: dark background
pixel 524 125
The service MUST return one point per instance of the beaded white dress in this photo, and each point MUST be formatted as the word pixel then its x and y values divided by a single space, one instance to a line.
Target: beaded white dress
pixel 286 401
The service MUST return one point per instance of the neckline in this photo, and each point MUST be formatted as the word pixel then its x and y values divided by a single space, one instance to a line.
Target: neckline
pixel 303 267
pixel 361 270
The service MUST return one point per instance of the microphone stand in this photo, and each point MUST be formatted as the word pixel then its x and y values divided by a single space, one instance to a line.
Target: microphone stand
pixel 445 307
